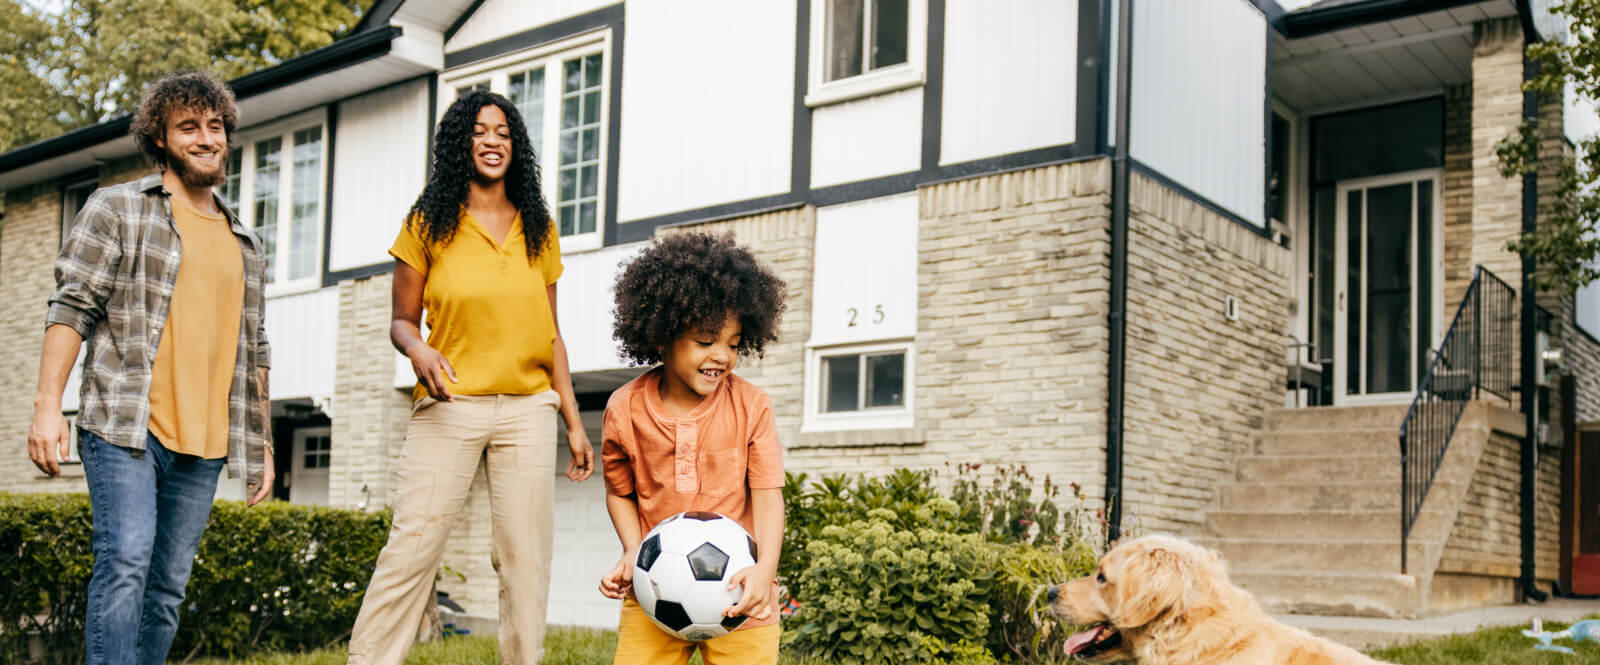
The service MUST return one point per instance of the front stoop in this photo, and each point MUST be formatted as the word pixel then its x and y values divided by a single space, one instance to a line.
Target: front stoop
pixel 1311 522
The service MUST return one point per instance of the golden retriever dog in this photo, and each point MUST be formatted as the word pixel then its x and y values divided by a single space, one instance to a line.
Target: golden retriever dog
pixel 1160 600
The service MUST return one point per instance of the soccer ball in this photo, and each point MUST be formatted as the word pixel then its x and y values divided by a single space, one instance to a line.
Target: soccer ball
pixel 681 575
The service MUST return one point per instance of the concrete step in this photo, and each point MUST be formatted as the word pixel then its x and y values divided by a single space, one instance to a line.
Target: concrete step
pixel 1320 468
pixel 1347 556
pixel 1327 442
pixel 1332 593
pixel 1307 524
pixel 1336 417
pixel 1297 496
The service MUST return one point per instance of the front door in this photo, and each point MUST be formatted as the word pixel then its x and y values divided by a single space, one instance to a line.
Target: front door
pixel 1388 285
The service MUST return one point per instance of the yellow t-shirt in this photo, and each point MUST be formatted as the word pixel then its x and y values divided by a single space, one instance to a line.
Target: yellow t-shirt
pixel 486 307
pixel 189 389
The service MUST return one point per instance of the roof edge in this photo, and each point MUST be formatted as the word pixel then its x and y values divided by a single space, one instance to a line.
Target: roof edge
pixel 352 49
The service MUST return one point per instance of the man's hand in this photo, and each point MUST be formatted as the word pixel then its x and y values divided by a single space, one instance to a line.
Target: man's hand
pixel 615 584
pixel 756 601
pixel 47 436
pixel 582 464
pixel 268 474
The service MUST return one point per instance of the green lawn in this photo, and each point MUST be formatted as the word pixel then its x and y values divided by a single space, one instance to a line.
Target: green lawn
pixel 573 646
pixel 1501 646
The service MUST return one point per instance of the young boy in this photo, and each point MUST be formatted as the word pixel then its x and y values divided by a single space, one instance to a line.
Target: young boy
pixel 690 435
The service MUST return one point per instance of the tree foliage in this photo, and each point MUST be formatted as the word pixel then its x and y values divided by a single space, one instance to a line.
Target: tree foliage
pixel 72 63
pixel 1566 244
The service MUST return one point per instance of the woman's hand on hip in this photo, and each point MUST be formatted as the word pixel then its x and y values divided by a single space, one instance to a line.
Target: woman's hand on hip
pixel 582 464
pixel 432 370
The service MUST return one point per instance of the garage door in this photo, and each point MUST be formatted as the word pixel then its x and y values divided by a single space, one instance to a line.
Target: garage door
pixel 586 545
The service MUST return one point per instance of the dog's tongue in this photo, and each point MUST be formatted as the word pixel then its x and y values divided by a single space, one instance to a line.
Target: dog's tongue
pixel 1077 642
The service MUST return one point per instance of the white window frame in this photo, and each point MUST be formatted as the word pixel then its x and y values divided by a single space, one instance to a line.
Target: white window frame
pixel 911 73
pixel 899 417
pixel 497 72
pixel 246 144
pixel 69 216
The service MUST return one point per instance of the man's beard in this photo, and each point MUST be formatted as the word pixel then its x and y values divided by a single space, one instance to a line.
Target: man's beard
pixel 195 178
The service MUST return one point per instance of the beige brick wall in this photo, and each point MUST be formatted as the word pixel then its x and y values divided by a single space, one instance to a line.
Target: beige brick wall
pixel 369 414
pixel 1496 113
pixel 1457 195
pixel 1486 538
pixel 1198 385
pixel 28 244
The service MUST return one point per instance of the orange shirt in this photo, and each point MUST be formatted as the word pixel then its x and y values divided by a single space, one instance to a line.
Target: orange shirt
pixel 189 388
pixel 707 459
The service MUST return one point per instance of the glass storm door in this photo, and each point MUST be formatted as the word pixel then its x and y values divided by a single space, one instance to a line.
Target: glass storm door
pixel 1388 285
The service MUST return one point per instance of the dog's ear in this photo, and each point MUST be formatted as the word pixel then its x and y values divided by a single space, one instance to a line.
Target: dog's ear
pixel 1150 582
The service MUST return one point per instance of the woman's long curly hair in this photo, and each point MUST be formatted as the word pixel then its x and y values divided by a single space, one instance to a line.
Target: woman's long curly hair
pixel 693 282
pixel 438 210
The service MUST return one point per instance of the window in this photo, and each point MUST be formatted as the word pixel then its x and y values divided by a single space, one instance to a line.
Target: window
pixel 275 184
pixel 73 198
pixel 860 387
pixel 865 47
pixel 561 92
pixel 317 452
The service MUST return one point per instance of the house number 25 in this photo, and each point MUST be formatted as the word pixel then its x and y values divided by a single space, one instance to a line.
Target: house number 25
pixel 852 314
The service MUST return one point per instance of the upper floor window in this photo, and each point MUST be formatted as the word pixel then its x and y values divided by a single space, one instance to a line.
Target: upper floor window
pixel 275 183
pixel 561 92
pixel 865 47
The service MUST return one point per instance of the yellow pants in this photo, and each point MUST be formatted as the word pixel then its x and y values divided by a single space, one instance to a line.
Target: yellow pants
pixel 640 642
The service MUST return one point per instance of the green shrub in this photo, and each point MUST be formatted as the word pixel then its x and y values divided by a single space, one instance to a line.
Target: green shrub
pixel 1035 542
pixel 1021 626
pixel 276 576
pixel 45 559
pixel 875 590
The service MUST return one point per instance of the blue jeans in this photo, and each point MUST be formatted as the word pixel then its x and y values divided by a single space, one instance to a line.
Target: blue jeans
pixel 149 513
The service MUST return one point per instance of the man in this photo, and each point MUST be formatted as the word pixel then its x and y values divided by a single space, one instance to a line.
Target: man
pixel 176 378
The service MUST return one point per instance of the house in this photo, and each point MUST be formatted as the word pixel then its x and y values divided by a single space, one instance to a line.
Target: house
pixel 1208 284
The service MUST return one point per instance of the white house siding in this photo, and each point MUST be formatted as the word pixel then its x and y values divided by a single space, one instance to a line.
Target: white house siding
pixel 866 258
pixel 302 329
pixel 500 18
pixel 707 112
pixel 380 163
pixel 1010 77
pixel 585 305
pixel 866 138
pixel 1199 86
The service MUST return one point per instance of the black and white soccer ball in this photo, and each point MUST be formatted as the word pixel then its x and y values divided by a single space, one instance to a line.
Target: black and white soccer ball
pixel 680 577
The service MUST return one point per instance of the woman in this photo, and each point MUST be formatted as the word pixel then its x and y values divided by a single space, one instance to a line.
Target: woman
pixel 480 254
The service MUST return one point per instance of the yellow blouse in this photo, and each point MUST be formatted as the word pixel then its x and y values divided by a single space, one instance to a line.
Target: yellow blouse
pixel 486 306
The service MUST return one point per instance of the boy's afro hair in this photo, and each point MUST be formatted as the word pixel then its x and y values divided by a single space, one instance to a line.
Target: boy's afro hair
pixel 691 282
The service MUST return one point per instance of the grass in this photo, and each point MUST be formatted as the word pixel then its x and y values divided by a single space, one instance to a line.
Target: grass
pixel 1501 646
pixel 579 646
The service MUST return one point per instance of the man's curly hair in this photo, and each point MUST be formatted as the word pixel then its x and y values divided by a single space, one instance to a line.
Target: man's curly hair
pixel 438 209
pixel 181 91
pixel 694 282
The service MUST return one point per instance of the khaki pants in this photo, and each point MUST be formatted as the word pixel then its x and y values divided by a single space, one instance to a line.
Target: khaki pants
pixel 516 435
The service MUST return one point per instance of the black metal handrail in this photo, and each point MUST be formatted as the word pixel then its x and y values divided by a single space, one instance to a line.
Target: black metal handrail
pixel 1477 355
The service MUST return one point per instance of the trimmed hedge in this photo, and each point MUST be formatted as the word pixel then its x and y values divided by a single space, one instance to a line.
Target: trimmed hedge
pixel 276 576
